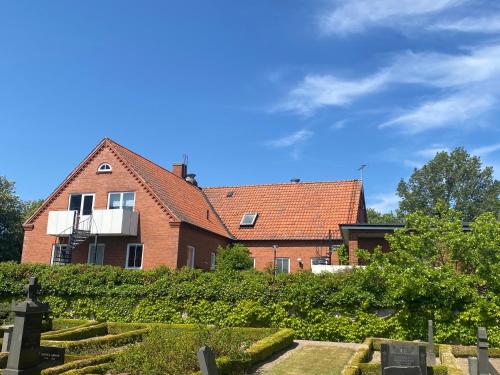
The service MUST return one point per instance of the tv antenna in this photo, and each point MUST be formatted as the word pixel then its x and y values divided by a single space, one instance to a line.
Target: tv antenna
pixel 185 159
pixel 360 169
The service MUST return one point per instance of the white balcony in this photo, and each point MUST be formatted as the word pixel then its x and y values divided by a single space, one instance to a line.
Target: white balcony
pixel 116 222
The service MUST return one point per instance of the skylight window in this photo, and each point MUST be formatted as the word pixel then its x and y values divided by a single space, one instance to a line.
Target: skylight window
pixel 248 219
pixel 229 194
pixel 104 168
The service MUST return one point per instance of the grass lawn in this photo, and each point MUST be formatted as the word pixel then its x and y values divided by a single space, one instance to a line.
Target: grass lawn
pixel 313 360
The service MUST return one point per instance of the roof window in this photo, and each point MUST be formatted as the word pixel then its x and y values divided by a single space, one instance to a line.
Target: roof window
pixel 248 219
pixel 229 194
pixel 104 168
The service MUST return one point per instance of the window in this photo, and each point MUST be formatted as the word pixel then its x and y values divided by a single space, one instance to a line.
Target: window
pixel 212 261
pixel 82 203
pixel 104 168
pixel 121 200
pixel 134 256
pixel 96 254
pixel 248 219
pixel 60 254
pixel 253 262
pixel 282 265
pixel 190 256
pixel 320 261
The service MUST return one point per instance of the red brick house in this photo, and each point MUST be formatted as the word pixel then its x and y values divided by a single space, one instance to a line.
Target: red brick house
pixel 121 209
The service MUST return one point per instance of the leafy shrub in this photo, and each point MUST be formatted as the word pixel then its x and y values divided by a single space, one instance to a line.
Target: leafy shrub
pixel 233 257
pixel 173 352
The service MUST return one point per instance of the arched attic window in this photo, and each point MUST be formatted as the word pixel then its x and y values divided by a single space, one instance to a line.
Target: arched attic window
pixel 104 168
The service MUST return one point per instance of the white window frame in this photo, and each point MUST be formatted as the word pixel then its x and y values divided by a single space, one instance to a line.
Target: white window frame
pixel 100 170
pixel 53 252
pixel 191 253
pixel 121 199
pixel 252 223
pixel 253 258
pixel 213 257
pixel 276 264
pixel 128 253
pixel 99 245
pixel 81 203
pixel 318 257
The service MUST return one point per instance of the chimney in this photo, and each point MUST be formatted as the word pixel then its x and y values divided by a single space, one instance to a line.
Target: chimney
pixel 180 169
pixel 191 179
pixel 295 180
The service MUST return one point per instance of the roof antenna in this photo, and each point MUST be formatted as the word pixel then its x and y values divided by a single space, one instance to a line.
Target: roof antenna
pixel 185 159
pixel 363 166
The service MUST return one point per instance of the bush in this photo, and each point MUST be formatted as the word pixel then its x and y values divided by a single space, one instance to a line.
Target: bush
pixel 77 333
pixel 173 351
pixel 233 257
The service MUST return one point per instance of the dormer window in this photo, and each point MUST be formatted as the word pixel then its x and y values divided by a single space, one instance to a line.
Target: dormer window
pixel 248 219
pixel 104 168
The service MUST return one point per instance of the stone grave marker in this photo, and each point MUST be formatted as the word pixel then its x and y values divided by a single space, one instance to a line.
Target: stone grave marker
pixel 481 365
pixel 403 359
pixel 206 360
pixel 24 353
pixel 7 337
pixel 431 353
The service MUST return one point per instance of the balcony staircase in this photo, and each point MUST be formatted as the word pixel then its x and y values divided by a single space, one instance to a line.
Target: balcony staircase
pixel 80 232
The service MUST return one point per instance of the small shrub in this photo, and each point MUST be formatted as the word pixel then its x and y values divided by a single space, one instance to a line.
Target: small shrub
pixel 233 257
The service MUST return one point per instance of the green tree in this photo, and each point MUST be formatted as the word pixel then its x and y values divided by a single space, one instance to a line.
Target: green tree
pixel 233 257
pixel 456 178
pixel 11 216
pixel 375 217
pixel 29 207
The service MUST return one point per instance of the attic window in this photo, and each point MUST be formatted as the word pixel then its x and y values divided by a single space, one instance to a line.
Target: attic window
pixel 248 219
pixel 104 168
pixel 229 194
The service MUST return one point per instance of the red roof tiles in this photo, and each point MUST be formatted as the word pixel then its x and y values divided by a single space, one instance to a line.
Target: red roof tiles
pixel 305 210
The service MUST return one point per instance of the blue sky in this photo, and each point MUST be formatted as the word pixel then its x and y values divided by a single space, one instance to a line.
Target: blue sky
pixel 253 92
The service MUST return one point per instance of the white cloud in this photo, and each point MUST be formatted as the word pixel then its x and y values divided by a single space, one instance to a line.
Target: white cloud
pixel 430 152
pixel 452 110
pixel 486 25
pixel 338 125
pixel 291 139
pixel 317 91
pixel 354 16
pixel 384 203
pixel 486 150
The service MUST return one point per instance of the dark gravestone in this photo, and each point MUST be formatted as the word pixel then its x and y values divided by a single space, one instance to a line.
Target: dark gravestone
pixel 408 357
pixel 483 363
pixel 25 348
pixel 51 356
pixel 206 360
pixel 431 353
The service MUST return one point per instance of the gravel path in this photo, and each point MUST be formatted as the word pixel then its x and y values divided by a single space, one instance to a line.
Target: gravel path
pixel 297 344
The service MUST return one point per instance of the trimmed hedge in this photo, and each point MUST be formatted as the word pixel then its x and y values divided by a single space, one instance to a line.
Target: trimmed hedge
pixel 81 364
pixel 448 359
pixel 63 325
pixel 362 355
pixel 99 343
pixel 78 333
pixel 3 359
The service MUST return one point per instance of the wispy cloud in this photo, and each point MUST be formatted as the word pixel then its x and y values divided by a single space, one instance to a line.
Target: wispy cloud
pixel 338 125
pixel 317 91
pixel 291 139
pixel 486 150
pixel 466 85
pixel 354 16
pixel 486 25
pixel 452 110
pixel 384 203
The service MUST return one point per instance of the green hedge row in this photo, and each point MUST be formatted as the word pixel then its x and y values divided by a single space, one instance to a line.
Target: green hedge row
pixel 78 333
pixel 81 364
pixel 336 307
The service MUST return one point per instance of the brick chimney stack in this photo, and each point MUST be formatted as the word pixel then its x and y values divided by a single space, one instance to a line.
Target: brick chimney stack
pixel 180 169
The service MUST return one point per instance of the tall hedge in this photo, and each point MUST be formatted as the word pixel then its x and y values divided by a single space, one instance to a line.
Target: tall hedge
pixel 347 306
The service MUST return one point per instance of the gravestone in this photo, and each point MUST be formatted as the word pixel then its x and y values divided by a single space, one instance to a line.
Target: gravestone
pixel 206 360
pixel 51 356
pixel 403 358
pixel 7 337
pixel 483 363
pixel 24 354
pixel 431 353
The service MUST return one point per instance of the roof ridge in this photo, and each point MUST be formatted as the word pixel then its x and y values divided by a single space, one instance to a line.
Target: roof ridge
pixel 282 184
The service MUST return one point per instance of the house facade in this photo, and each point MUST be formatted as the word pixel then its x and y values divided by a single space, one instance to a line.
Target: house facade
pixel 119 208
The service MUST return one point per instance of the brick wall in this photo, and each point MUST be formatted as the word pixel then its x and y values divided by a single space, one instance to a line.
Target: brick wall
pixel 263 252
pixel 160 239
pixel 204 242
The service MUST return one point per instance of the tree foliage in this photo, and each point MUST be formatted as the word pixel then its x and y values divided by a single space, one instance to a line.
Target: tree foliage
pixel 456 178
pixel 233 257
pixel 375 217
pixel 13 212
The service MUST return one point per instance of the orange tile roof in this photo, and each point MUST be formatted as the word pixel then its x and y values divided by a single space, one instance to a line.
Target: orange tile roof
pixel 185 201
pixel 304 210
